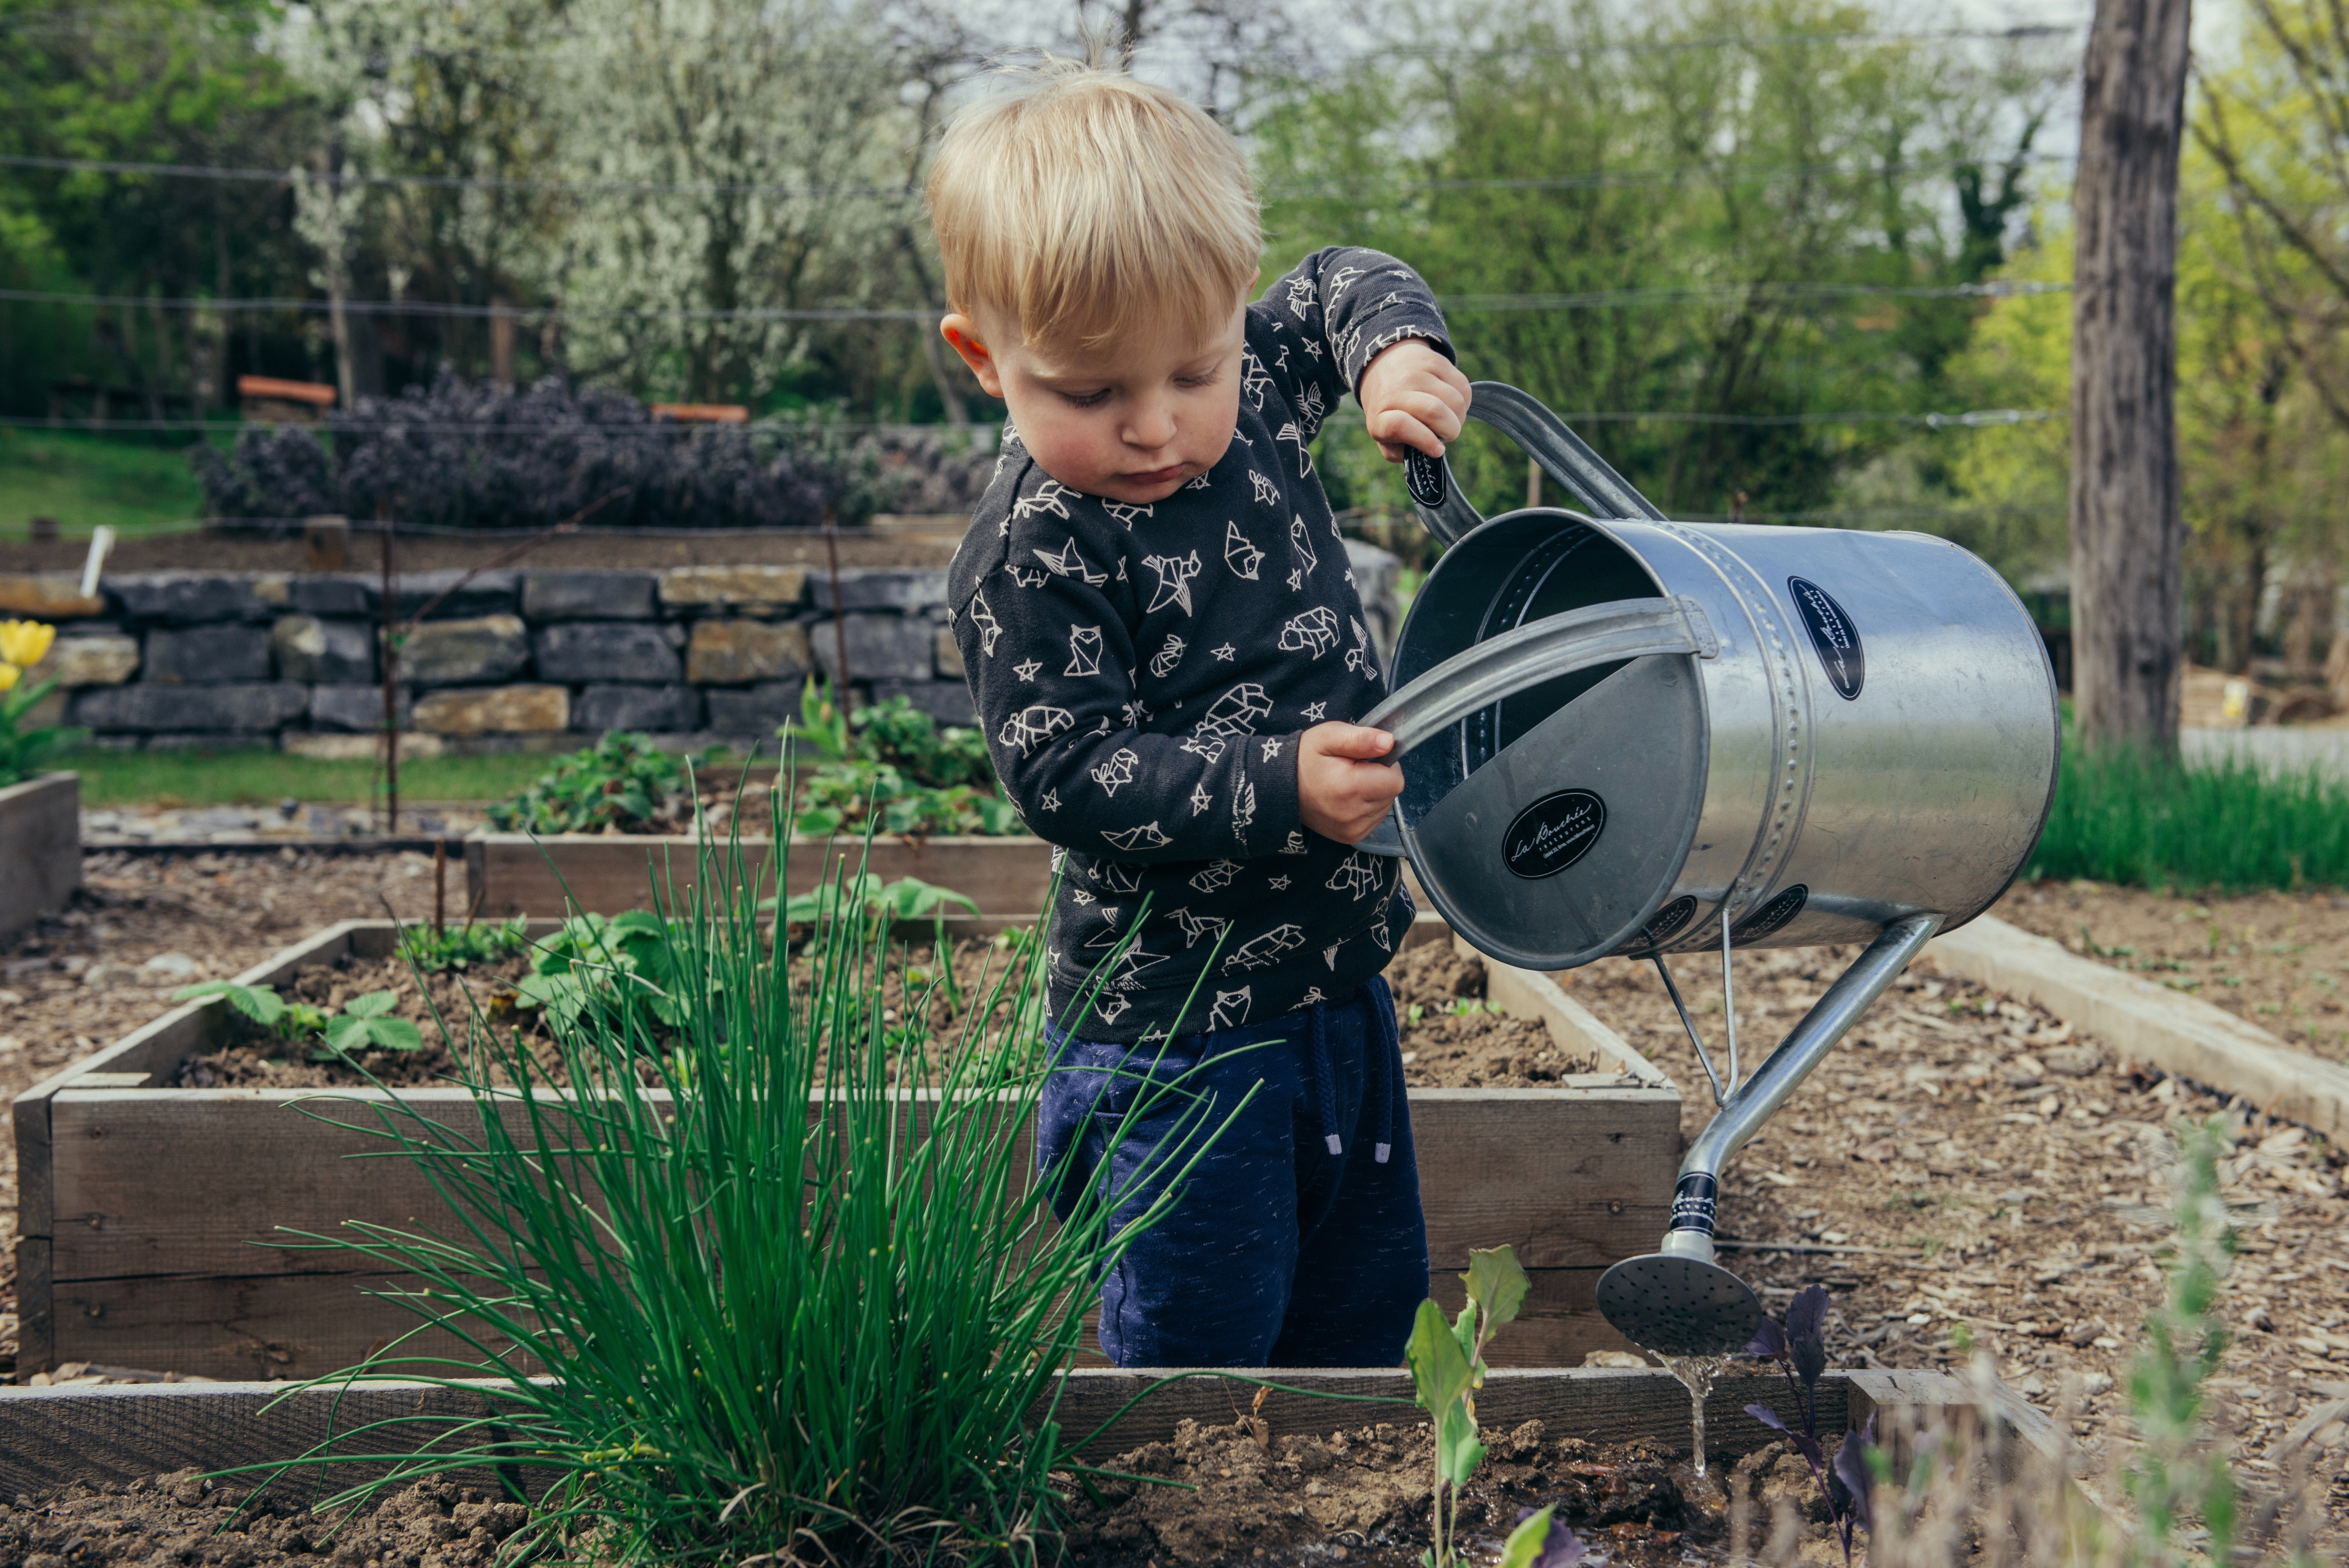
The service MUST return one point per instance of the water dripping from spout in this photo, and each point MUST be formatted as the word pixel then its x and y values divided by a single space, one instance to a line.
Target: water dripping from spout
pixel 1696 1373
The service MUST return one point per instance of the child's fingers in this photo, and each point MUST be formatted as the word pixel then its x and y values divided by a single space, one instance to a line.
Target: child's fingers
pixel 1360 741
pixel 1397 432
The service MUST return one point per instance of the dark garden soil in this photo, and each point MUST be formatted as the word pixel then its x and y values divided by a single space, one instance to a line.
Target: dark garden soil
pixel 182 1518
pixel 1359 1496
pixel 234 552
pixel 1442 1047
pixel 1362 1495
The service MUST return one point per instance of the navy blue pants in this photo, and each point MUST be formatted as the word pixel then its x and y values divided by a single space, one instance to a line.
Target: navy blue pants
pixel 1297 1239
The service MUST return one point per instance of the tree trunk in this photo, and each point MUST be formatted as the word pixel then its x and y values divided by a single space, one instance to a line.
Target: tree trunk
pixel 2127 531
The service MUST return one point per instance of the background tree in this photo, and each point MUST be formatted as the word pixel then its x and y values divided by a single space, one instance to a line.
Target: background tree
pixel 2126 528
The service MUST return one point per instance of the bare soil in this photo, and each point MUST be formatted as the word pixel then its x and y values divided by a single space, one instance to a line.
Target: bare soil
pixel 2277 960
pixel 182 1518
pixel 229 550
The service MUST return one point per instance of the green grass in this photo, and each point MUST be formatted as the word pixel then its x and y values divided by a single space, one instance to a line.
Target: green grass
pixel 83 481
pixel 2123 816
pixel 264 778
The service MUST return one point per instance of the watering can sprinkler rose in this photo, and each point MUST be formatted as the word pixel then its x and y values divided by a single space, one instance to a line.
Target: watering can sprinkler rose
pixel 1624 735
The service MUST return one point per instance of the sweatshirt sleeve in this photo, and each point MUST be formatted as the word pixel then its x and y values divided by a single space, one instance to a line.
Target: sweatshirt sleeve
pixel 1328 318
pixel 1050 662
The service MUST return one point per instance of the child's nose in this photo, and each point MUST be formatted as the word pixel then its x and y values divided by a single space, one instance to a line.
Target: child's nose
pixel 1151 428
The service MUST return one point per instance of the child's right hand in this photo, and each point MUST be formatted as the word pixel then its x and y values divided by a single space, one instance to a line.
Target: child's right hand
pixel 1342 786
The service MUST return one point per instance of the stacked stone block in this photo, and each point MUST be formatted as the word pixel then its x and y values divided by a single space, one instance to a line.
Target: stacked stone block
pixel 507 660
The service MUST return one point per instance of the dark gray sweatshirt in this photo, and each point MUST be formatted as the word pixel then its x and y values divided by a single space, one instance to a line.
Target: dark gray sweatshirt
pixel 1144 673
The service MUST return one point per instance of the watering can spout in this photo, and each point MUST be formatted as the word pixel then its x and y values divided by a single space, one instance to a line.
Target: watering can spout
pixel 1676 1300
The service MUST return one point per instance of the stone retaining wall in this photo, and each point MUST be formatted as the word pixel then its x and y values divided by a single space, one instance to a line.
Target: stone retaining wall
pixel 511 660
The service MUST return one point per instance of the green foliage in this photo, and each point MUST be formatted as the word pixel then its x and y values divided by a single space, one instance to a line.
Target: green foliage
pixel 84 480
pixel 732 1328
pixel 1735 144
pixel 1447 1366
pixel 907 898
pixel 615 965
pixel 461 946
pixel 25 752
pixel 2180 1474
pixel 623 782
pixel 889 765
pixel 363 1023
pixel 364 1026
pixel 2124 815
pixel 265 777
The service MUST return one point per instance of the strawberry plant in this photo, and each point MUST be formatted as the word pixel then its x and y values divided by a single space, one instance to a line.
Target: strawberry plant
pixel 367 1023
pixel 889 765
pixel 622 783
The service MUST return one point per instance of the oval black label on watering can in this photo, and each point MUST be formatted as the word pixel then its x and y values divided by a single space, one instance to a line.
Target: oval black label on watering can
pixel 1553 833
pixel 1771 916
pixel 1423 476
pixel 1833 634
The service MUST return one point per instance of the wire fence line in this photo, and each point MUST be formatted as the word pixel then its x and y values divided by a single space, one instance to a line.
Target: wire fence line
pixel 1595 299
pixel 1970 420
pixel 1629 178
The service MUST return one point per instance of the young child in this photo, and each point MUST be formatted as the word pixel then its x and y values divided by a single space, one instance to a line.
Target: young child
pixel 1165 644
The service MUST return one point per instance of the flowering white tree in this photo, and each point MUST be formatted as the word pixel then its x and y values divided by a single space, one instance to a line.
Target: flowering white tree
pixel 755 154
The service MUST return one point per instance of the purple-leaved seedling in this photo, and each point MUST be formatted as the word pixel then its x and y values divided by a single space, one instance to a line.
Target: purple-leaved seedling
pixel 1799 1347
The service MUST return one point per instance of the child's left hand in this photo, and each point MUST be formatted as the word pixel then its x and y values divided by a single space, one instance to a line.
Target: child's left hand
pixel 1412 396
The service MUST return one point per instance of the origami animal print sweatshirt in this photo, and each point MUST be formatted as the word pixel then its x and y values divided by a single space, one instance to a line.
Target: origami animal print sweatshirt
pixel 1144 673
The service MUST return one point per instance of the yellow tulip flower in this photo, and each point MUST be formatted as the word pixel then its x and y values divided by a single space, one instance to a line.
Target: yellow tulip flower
pixel 8 673
pixel 22 642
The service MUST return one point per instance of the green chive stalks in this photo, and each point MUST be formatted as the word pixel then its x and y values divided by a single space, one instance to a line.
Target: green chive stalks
pixel 748 1297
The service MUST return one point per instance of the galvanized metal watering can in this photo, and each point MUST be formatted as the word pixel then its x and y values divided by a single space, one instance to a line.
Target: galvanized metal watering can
pixel 1623 735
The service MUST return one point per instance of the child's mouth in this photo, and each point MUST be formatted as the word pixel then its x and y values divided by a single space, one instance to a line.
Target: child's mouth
pixel 1156 476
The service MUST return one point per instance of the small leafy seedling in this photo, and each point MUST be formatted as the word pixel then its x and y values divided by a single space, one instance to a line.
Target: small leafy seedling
pixel 458 946
pixel 1447 1366
pixel 367 1024
pixel 262 1004
pixel 1799 1347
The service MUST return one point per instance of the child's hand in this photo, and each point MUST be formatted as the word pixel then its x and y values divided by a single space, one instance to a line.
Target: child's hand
pixel 1411 397
pixel 1342 789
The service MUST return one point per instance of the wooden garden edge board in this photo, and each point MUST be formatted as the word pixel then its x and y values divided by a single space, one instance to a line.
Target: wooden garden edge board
pixel 40 847
pixel 50 1437
pixel 1642 1093
pixel 2177 1033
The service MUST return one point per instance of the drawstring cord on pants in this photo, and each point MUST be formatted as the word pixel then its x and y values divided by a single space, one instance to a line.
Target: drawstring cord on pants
pixel 1381 1067
pixel 1325 1092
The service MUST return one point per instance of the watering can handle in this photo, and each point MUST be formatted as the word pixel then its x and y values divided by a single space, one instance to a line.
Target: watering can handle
pixel 1543 435
pixel 1555 645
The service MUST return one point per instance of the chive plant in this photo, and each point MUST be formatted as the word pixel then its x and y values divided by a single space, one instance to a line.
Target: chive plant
pixel 753 1299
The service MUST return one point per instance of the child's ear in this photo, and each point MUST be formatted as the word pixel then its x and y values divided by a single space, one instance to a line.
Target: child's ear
pixel 962 333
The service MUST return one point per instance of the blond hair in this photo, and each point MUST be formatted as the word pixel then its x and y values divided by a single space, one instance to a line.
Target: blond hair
pixel 1089 206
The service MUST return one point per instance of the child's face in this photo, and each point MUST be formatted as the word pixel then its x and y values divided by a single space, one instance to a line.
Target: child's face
pixel 1133 421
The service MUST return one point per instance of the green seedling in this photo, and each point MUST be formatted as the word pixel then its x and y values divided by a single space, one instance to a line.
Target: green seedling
pixel 1447 1366
pixel 890 767
pixel 367 1024
pixel 364 1026
pixel 1538 1542
pixel 907 898
pixel 459 946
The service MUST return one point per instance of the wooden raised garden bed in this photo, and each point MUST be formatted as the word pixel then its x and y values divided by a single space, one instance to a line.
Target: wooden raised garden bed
pixel 105 1437
pixel 150 1218
pixel 40 847
pixel 507 874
